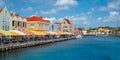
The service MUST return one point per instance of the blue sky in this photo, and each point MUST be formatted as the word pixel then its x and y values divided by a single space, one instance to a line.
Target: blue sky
pixel 84 13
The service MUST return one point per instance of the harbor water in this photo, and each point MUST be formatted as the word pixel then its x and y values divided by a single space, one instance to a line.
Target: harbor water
pixel 86 48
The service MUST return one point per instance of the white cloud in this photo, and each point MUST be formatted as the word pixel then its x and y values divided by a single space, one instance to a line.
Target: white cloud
pixel 85 22
pixel 66 3
pixel 114 5
pixel 61 5
pixel 99 19
pixel 27 9
pixel 113 16
pixel 80 19
pixel 52 11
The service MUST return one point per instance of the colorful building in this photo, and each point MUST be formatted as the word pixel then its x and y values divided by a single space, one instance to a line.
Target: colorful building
pixel 37 23
pixel 5 20
pixel 78 32
pixel 58 27
pixel 52 26
pixel 18 22
pixel 67 26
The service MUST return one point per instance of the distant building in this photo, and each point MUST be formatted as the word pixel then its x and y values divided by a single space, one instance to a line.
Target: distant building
pixel 67 26
pixel 103 31
pixel 18 22
pixel 5 20
pixel 77 32
pixel 37 23
pixel 58 27
pixel 84 32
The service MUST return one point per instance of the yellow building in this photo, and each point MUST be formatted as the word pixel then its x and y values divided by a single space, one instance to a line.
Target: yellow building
pixel 37 23
pixel 67 26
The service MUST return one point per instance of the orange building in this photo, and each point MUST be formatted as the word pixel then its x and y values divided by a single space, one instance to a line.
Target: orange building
pixel 37 23
pixel 103 29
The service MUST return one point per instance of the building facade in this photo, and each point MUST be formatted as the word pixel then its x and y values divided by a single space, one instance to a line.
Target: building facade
pixel 37 23
pixel 58 27
pixel 5 20
pixel 52 26
pixel 18 22
pixel 67 26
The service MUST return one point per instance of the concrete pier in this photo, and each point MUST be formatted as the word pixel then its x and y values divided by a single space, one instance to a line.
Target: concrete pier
pixel 30 44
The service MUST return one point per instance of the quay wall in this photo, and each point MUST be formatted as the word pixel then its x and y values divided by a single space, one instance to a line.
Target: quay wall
pixel 12 46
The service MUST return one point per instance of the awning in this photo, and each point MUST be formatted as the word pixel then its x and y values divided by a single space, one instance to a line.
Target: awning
pixel 1 34
pixel 37 32
pixel 46 32
pixel 18 32
pixel 41 32
pixel 62 33
pixel 53 33
pixel 6 33
pixel 28 33
pixel 14 33
pixel 67 33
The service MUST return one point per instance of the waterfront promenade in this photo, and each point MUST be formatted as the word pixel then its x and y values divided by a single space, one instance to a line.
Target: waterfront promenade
pixel 17 45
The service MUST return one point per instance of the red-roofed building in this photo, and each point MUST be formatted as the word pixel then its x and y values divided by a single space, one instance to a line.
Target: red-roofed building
pixel 37 23
pixel 78 32
pixel 103 31
pixel 67 26
pixel 0 10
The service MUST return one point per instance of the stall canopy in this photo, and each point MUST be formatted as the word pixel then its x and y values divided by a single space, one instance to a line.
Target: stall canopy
pixel 1 34
pixel 36 32
pixel 67 33
pixel 17 32
pixel 14 33
pixel 62 33
pixel 28 32
pixel 46 32
pixel 5 33
pixel 53 33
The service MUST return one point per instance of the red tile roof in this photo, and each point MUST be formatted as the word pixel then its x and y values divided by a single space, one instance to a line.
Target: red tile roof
pixel 68 21
pixel 0 10
pixel 36 18
pixel 76 31
pixel 103 29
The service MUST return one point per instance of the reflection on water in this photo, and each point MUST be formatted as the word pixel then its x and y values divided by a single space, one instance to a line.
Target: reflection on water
pixel 87 48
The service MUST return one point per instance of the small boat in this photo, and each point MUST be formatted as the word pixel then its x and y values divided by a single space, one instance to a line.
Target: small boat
pixel 79 36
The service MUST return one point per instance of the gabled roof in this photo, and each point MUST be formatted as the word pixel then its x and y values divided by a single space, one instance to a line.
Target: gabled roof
pixel 13 14
pixel 67 20
pixel 36 18
pixel 0 10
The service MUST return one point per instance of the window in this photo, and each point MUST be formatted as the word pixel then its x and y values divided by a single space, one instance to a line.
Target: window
pixel 12 23
pixel 18 23
pixel 70 26
pixel 40 25
pixel 65 26
pixel 46 26
pixel 64 22
pixel 31 25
